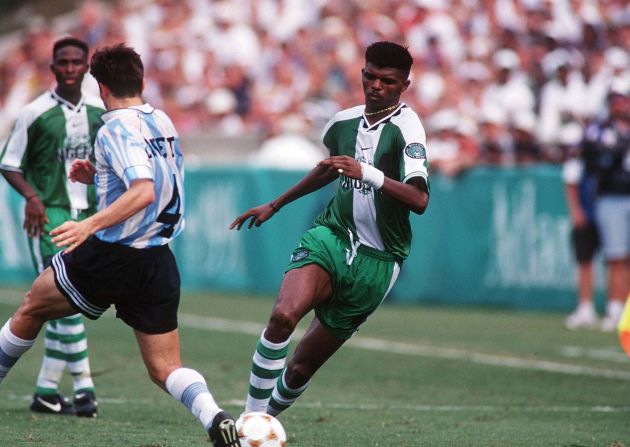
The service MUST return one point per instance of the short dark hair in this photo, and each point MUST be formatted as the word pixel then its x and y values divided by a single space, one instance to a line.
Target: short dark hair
pixel 70 42
pixel 120 69
pixel 389 54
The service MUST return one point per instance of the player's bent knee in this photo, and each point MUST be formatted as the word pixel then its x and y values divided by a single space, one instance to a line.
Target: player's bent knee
pixel 159 374
pixel 157 377
pixel 32 306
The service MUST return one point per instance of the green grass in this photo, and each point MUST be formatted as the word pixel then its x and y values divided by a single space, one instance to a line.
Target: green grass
pixel 459 377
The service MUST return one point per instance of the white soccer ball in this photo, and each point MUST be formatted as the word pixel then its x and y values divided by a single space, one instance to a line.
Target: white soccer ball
pixel 260 430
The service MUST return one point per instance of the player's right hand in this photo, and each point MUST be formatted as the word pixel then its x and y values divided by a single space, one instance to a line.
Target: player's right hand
pixel 71 234
pixel 82 171
pixel 256 216
pixel 34 217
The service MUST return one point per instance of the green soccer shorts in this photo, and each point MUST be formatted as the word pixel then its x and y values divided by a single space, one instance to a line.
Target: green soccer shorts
pixel 360 283
pixel 42 247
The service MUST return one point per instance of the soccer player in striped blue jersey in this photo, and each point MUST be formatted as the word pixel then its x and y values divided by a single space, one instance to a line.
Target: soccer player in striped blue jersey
pixel 347 263
pixel 120 255
pixel 50 133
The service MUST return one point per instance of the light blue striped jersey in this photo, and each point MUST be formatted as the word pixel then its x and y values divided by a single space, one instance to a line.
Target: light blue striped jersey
pixel 140 143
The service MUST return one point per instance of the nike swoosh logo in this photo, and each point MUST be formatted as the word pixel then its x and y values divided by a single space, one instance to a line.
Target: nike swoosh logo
pixel 80 396
pixel 366 148
pixel 53 407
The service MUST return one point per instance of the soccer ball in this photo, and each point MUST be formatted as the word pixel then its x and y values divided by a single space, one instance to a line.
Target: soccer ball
pixel 260 430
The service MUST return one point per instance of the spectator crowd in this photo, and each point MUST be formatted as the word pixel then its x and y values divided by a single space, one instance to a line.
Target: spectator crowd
pixel 497 82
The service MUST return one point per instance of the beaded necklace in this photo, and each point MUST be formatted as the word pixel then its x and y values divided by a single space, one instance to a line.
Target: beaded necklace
pixel 387 109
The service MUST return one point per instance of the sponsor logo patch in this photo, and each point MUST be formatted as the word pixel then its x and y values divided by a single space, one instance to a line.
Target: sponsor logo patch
pixel 299 254
pixel 416 150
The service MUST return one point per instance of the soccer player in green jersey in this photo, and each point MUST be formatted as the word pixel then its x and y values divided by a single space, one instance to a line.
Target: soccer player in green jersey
pixel 50 133
pixel 349 260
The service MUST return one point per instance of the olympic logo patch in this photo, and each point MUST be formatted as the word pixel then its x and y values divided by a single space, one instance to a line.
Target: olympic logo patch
pixel 299 254
pixel 416 150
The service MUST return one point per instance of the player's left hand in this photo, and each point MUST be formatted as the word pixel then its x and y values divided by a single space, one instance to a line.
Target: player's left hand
pixel 256 216
pixel 70 234
pixel 344 165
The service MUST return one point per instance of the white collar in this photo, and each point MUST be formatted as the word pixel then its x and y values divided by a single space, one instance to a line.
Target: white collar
pixel 76 107
pixel 111 114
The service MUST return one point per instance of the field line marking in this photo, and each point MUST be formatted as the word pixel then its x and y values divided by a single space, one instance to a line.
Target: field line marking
pixel 380 345
pixel 611 354
pixel 382 407
pixel 452 408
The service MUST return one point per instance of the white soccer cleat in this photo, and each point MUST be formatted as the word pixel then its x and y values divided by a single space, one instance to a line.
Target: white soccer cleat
pixel 582 318
pixel 614 309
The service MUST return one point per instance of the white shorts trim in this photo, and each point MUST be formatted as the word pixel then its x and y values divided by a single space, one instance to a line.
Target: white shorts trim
pixel 71 292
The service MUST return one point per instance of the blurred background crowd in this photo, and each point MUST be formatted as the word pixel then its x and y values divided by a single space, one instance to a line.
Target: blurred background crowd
pixel 498 82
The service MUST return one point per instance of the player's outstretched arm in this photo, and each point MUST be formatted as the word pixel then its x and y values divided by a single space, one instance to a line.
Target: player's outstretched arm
pixel 318 177
pixel 82 171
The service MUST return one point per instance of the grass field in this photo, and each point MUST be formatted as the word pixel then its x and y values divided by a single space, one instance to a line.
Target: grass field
pixel 413 376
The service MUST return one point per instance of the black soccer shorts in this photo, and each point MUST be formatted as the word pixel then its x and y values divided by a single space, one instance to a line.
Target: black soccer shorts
pixel 585 242
pixel 142 284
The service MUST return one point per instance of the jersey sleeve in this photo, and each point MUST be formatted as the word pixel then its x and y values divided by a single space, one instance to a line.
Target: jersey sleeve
pixel 572 171
pixel 17 145
pixel 414 162
pixel 125 153
pixel 328 138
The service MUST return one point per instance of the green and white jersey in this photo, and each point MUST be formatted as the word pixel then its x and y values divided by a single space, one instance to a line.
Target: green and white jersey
pixel 395 145
pixel 49 134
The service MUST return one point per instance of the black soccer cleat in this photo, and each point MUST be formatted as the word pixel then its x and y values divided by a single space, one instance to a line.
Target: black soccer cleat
pixel 52 404
pixel 222 432
pixel 85 404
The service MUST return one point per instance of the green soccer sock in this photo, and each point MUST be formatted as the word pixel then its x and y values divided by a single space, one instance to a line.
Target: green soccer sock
pixel 284 396
pixel 268 363
pixel 53 363
pixel 65 345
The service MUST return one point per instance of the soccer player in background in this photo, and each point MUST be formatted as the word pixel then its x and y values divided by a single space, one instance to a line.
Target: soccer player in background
pixel 580 195
pixel 349 260
pixel 50 133
pixel 120 255
pixel 606 155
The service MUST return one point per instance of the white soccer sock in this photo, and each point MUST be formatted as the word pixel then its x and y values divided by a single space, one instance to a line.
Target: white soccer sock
pixel 11 349
pixel 268 363
pixel 586 306
pixel 189 387
pixel 614 308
